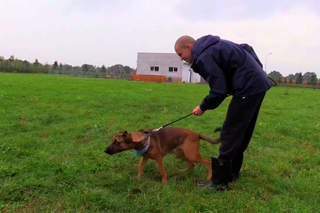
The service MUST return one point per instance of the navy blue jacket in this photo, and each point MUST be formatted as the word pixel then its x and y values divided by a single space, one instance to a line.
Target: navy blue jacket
pixel 229 68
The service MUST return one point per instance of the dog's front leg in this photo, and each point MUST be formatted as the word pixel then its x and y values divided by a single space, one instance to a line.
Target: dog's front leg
pixel 141 165
pixel 161 169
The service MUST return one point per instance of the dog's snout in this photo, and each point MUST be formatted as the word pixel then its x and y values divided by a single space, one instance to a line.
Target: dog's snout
pixel 109 151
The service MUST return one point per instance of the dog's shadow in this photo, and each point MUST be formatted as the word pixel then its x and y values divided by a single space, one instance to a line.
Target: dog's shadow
pixel 172 167
pixel 125 175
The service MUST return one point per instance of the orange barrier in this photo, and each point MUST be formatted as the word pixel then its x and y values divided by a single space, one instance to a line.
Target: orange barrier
pixel 149 78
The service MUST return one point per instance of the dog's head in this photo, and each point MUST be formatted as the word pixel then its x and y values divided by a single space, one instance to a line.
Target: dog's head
pixel 123 141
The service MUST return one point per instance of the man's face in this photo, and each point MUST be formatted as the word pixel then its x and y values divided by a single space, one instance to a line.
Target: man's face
pixel 184 53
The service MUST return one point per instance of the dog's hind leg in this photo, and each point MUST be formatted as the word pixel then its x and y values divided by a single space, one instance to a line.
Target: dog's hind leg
pixel 205 162
pixel 189 167
pixel 191 152
pixel 141 165
pixel 180 155
pixel 194 156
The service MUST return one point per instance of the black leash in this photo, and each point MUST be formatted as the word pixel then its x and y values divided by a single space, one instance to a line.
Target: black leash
pixel 176 121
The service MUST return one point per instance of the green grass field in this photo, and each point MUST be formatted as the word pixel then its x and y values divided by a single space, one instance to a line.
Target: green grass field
pixel 54 130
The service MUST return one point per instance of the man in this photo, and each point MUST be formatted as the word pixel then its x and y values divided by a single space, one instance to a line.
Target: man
pixel 230 69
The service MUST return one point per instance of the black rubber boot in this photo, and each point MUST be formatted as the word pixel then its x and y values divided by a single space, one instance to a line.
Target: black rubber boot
pixel 236 166
pixel 221 172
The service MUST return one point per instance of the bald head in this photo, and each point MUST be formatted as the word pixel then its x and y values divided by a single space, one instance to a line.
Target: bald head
pixel 183 41
pixel 183 47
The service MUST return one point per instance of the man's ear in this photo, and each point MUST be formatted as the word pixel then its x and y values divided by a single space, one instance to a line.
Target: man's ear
pixel 189 47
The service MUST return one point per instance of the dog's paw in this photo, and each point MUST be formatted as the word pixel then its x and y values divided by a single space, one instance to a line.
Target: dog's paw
pixel 164 181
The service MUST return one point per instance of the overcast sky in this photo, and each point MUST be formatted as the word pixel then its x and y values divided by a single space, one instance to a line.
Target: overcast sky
pixel 112 32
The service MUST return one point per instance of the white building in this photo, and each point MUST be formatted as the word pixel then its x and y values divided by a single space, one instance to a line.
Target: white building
pixel 166 64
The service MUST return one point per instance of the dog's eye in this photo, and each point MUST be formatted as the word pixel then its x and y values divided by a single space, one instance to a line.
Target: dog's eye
pixel 116 143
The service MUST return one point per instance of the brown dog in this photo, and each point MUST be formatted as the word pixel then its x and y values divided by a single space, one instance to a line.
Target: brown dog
pixel 156 144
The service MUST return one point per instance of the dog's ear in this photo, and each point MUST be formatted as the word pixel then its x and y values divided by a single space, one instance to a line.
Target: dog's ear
pixel 146 131
pixel 123 133
pixel 138 137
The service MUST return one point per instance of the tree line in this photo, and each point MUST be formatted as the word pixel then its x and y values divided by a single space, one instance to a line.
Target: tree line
pixel 16 65
pixel 13 64
pixel 309 78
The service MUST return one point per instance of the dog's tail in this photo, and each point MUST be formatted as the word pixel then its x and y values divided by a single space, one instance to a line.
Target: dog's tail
pixel 212 141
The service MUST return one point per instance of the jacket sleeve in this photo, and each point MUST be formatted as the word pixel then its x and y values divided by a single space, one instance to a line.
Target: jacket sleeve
pixel 215 77
pixel 211 101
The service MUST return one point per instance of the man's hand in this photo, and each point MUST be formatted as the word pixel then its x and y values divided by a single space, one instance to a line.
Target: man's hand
pixel 197 111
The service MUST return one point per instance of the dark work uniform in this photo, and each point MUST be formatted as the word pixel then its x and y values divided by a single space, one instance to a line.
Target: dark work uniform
pixel 231 69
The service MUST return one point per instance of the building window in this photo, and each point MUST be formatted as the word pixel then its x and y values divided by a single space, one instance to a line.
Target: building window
pixel 154 68
pixel 173 69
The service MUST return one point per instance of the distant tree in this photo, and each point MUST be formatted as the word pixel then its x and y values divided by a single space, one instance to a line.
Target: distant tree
pixel 127 69
pixel 279 80
pixel 60 66
pixel 293 77
pixel 55 65
pixel 307 76
pixel 47 66
pixel 103 69
pixel 85 67
pixel 67 67
pixel 299 78
pixel 275 75
pixel 313 79
pixel 285 81
pixel 26 66
pixel 36 63
pixel 290 80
